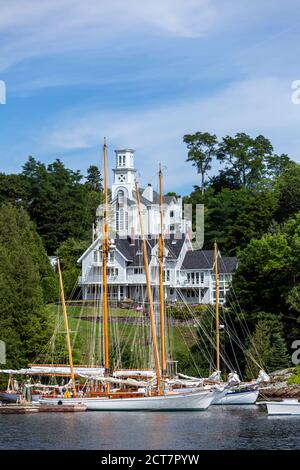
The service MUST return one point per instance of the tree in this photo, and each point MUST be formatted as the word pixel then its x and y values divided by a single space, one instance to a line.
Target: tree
pixel 277 164
pixel 201 149
pixel 287 187
pixel 13 189
pixel 94 179
pixel 61 206
pixel 244 158
pixel 69 252
pixel 258 352
pixel 267 348
pixel 24 323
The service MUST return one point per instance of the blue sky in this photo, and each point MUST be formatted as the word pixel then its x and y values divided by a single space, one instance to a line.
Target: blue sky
pixel 143 74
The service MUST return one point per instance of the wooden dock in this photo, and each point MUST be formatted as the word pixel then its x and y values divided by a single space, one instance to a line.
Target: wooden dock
pixel 37 408
pixel 18 409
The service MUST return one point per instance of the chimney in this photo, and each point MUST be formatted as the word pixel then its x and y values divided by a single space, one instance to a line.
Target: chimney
pixel 148 193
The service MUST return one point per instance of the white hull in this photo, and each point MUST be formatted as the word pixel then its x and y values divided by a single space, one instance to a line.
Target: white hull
pixel 186 401
pixel 230 397
pixel 285 407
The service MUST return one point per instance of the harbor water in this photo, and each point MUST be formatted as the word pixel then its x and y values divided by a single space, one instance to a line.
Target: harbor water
pixel 235 427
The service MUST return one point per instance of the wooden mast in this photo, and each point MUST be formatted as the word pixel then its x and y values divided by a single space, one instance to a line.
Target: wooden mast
pixel 63 302
pixel 217 307
pixel 161 280
pixel 149 293
pixel 104 269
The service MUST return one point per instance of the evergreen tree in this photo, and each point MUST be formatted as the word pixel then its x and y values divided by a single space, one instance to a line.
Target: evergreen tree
pixel 94 179
pixel 266 346
pixel 61 206
pixel 24 323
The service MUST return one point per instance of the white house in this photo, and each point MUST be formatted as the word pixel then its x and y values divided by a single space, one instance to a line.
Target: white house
pixel 188 273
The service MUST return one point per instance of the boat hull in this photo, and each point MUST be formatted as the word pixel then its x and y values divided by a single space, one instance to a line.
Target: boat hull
pixel 177 402
pixel 285 407
pixel 9 397
pixel 229 397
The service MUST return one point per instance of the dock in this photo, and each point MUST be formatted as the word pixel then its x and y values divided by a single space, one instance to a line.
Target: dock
pixel 37 408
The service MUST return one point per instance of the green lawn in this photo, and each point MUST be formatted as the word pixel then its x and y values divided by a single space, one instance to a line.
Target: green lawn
pixel 132 336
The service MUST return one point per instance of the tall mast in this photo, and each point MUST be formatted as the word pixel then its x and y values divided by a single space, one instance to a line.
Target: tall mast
pixel 63 302
pixel 217 307
pixel 104 268
pixel 149 293
pixel 161 285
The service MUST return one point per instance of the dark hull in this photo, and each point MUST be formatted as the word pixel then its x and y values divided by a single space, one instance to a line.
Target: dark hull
pixel 9 397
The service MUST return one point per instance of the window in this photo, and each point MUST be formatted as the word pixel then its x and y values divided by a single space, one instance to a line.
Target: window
pixel 120 196
pixel 122 178
pixel 111 257
pixel 95 256
pixel 138 271
pixel 202 278
pixel 172 228
pixel 171 214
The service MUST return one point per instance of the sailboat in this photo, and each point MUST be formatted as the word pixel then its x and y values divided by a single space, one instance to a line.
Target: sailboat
pixel 234 393
pixel 150 395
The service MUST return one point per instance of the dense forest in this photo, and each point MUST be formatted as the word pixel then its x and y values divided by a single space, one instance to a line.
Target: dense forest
pixel 252 208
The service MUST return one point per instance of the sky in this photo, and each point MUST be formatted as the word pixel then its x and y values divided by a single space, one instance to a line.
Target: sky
pixel 143 74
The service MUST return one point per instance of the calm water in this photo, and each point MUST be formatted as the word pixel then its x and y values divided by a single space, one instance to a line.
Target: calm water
pixel 216 428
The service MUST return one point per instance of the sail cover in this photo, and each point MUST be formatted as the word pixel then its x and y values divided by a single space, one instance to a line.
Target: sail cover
pixel 60 370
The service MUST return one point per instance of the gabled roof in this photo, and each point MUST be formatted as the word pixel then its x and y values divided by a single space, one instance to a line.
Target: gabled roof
pixel 204 259
pixel 132 249
pixel 174 245
pixel 228 264
pixel 198 259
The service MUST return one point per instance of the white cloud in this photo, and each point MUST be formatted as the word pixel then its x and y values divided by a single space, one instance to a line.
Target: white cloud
pixel 255 106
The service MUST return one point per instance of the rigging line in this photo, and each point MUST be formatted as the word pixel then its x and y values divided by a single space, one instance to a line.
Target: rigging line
pixel 207 336
pixel 197 337
pixel 224 318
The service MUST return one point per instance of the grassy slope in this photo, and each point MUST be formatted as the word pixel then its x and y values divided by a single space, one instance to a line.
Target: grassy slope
pixel 179 336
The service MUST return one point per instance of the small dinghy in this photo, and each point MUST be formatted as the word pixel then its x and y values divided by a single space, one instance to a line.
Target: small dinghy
pixel 9 397
pixel 286 407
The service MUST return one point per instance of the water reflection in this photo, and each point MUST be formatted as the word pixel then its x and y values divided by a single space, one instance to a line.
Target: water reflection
pixel 217 428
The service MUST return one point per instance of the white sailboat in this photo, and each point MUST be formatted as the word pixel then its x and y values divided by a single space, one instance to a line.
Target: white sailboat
pixel 234 393
pixel 148 396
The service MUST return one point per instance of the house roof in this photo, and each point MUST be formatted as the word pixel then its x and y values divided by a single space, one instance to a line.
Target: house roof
pixel 174 245
pixel 198 259
pixel 204 259
pixel 228 264
pixel 132 249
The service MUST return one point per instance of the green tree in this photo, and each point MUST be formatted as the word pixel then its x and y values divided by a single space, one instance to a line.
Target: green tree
pixel 61 206
pixel 94 179
pixel 201 150
pixel 244 158
pixel 287 187
pixel 24 323
pixel 267 348
pixel 68 253
pixel 13 189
